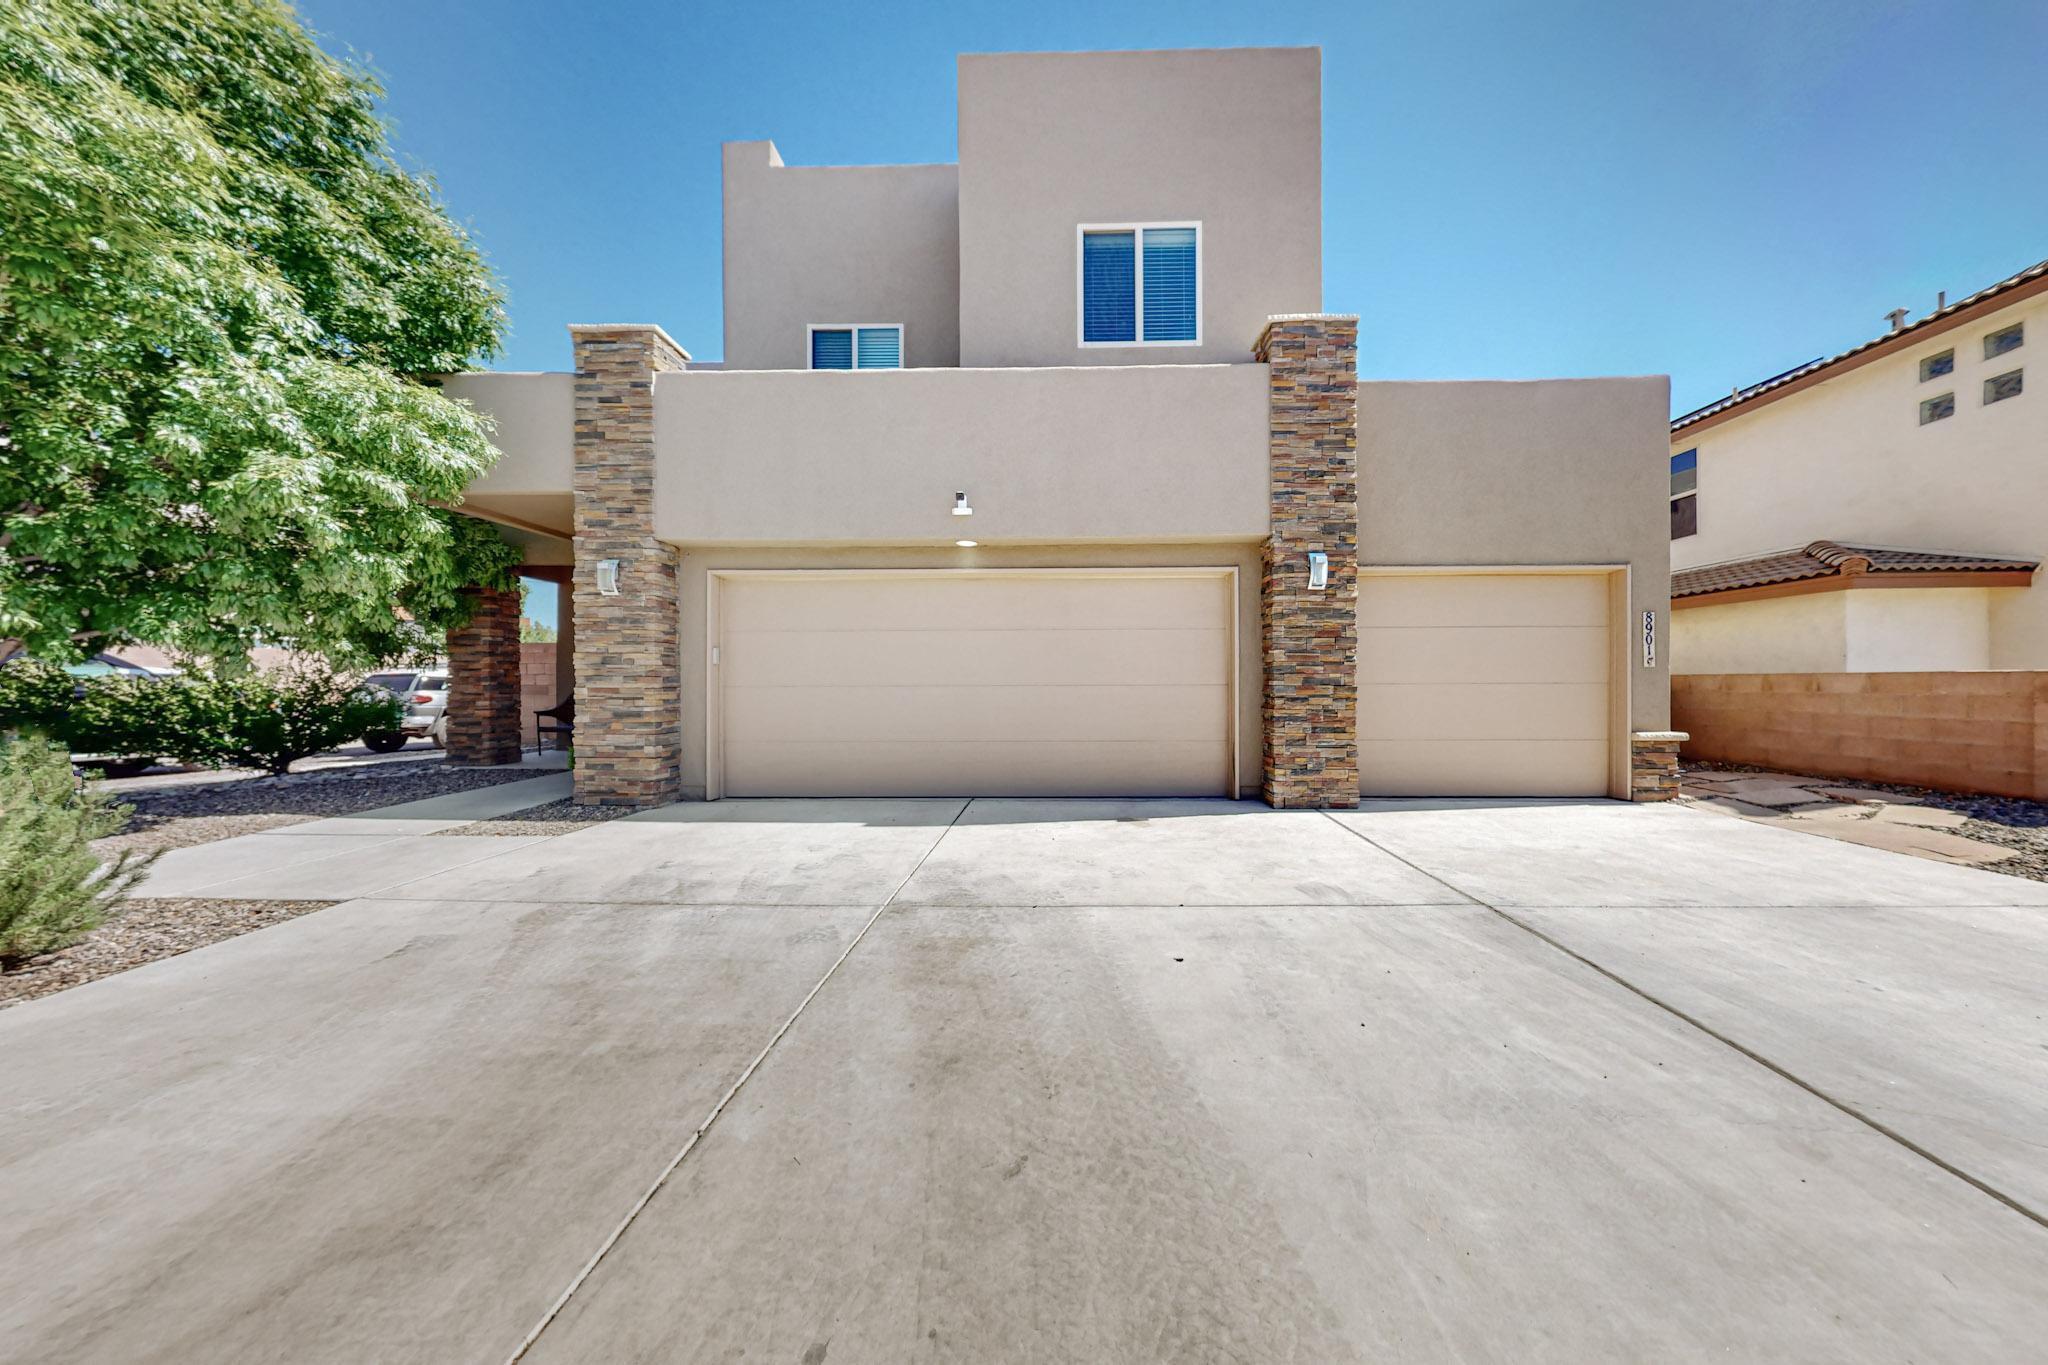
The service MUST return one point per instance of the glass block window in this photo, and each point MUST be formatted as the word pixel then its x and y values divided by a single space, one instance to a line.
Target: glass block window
pixel 1934 409
pixel 1141 285
pixel 1935 366
pixel 2005 339
pixel 857 346
pixel 2000 387
pixel 1685 503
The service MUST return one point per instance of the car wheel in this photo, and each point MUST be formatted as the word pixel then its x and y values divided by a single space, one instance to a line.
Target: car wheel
pixel 120 767
pixel 385 741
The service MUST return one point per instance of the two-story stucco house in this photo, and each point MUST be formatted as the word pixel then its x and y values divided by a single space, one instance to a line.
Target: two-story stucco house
pixel 1853 553
pixel 1046 473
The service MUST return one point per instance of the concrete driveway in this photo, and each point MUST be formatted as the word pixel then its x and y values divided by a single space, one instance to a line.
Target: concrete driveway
pixel 996 1081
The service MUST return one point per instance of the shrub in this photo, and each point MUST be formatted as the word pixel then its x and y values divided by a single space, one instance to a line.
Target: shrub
pixel 264 720
pixel 52 887
pixel 35 698
pixel 271 720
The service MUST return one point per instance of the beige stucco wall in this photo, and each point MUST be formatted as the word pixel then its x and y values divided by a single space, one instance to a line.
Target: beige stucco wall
pixel 1049 141
pixel 1847 460
pixel 1804 634
pixel 1164 453
pixel 1563 471
pixel 696 564
pixel 1861 630
pixel 535 425
pixel 1919 630
pixel 837 244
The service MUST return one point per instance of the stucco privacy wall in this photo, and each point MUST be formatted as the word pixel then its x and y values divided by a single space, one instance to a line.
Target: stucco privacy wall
pixel 1847 460
pixel 1564 471
pixel 1049 141
pixel 826 244
pixel 1164 453
pixel 695 565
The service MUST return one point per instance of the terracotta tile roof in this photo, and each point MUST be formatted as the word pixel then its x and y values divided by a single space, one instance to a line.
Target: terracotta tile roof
pixel 1931 321
pixel 1827 559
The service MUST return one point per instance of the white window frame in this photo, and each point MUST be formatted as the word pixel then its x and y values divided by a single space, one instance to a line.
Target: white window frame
pixel 902 356
pixel 1138 245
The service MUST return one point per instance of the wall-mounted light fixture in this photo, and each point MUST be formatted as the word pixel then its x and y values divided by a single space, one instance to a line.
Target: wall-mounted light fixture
pixel 1318 569
pixel 960 507
pixel 608 578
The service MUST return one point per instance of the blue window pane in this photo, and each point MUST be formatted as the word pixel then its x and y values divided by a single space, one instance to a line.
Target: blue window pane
pixel 1170 284
pixel 832 350
pixel 1109 286
pixel 1684 460
pixel 880 348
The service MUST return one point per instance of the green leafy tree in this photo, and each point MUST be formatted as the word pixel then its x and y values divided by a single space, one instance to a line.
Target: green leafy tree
pixel 219 295
pixel 53 889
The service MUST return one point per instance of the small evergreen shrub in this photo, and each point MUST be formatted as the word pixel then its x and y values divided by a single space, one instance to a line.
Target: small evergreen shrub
pixel 53 890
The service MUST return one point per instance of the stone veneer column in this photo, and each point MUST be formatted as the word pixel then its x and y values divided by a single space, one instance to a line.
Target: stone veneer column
pixel 1653 764
pixel 628 647
pixel 1310 636
pixel 483 682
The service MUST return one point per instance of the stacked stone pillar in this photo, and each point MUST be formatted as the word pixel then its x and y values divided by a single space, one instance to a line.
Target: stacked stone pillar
pixel 627 646
pixel 1310 635
pixel 483 682
pixel 1653 764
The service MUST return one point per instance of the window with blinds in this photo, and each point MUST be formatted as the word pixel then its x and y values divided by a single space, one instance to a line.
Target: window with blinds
pixel 1140 285
pixel 857 346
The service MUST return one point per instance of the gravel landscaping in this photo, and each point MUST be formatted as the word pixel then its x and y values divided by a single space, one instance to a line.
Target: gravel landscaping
pixel 143 931
pixel 556 817
pixel 2006 821
pixel 179 817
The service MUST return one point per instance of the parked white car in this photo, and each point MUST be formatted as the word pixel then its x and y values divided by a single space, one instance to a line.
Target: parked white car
pixel 406 685
pixel 426 708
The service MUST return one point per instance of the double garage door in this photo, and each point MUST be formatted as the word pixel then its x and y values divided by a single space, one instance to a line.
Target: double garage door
pixel 1122 683
pixel 1006 683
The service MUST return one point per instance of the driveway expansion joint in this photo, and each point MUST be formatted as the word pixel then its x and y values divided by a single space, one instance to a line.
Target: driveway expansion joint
pixel 1977 1183
pixel 689 1145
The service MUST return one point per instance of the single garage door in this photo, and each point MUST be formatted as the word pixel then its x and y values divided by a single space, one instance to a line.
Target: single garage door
pixel 1484 684
pixel 1018 683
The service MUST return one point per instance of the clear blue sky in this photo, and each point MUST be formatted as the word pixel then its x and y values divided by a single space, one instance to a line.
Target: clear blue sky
pixel 1714 189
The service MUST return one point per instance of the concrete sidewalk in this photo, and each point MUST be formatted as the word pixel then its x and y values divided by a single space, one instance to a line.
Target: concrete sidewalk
pixel 1093 1080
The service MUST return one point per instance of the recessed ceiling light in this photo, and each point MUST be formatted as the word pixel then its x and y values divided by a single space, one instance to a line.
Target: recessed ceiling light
pixel 967 544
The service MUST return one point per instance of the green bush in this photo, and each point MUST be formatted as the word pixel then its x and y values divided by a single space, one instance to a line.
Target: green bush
pixel 265 720
pixel 52 887
pixel 113 714
pixel 271 720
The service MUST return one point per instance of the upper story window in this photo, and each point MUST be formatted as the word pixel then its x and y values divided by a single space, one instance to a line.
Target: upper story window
pixel 857 346
pixel 1141 284
pixel 2005 339
pixel 1936 408
pixel 2000 387
pixel 1685 501
pixel 1935 366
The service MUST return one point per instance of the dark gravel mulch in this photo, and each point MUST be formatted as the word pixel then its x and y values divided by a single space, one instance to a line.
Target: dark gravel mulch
pixel 556 817
pixel 179 817
pixel 143 931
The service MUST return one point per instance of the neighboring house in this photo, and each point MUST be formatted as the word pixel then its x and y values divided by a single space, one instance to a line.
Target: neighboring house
pixel 1045 474
pixel 1878 512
